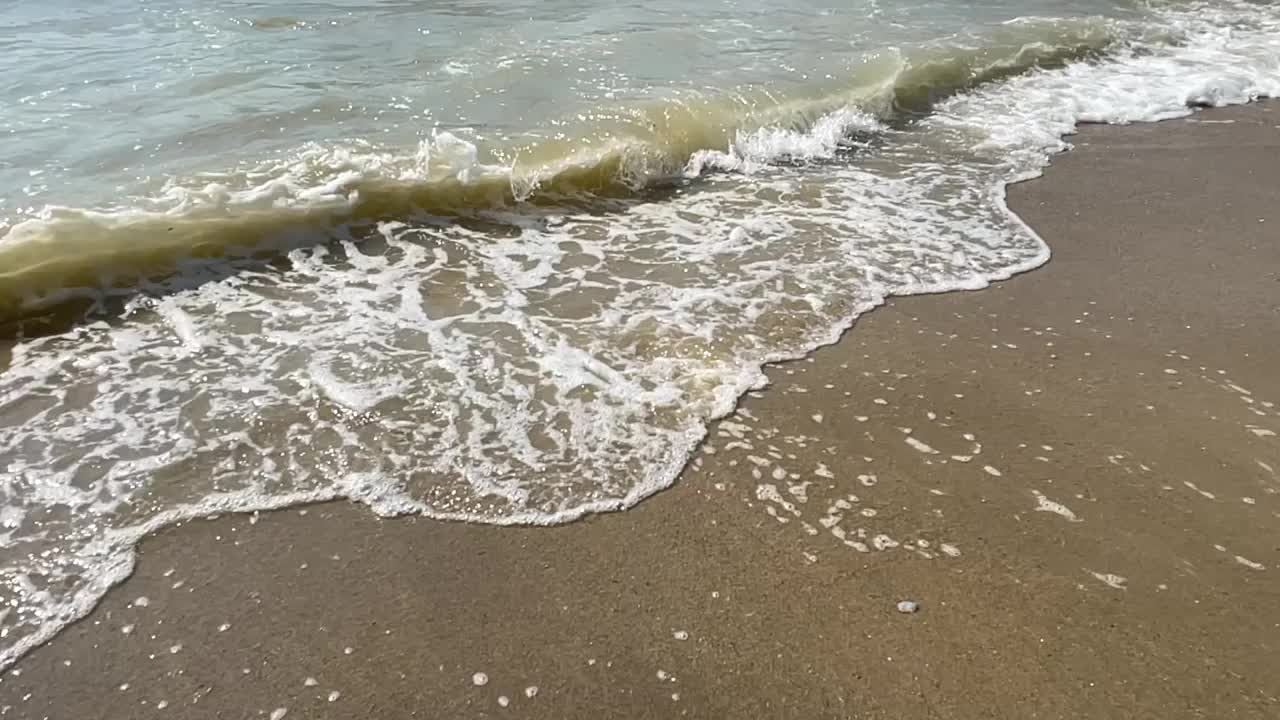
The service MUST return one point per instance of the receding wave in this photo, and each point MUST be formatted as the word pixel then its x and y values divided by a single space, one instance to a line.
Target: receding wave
pixel 67 251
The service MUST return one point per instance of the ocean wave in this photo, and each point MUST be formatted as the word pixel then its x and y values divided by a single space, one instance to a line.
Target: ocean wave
pixel 68 252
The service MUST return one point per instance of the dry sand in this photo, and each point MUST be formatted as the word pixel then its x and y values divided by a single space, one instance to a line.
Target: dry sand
pixel 1076 468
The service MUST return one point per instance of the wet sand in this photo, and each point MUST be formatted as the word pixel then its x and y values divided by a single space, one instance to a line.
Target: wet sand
pixel 1074 473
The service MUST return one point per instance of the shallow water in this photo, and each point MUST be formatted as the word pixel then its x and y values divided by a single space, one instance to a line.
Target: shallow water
pixel 492 262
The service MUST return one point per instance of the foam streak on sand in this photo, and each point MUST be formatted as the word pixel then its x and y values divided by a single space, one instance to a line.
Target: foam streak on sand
pixel 1044 504
pixel 519 363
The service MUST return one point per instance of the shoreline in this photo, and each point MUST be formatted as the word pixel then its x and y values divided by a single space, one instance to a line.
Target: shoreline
pixel 462 581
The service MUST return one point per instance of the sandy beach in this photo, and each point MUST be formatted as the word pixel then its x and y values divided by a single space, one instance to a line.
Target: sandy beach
pixel 1074 473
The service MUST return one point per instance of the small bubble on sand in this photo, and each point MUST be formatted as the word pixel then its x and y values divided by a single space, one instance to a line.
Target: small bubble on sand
pixel 883 542
pixel 662 675
pixel 503 700
pixel 142 601
pixel 680 635
pixel 531 691
pixel 127 629
pixel 920 446
pixel 333 696
pixel 310 682
pixel 908 606
pixel 1249 563
pixel 1110 579
pixel 1204 493
pixel 175 649
pixel 1044 504
pixel 480 679
pixel 162 704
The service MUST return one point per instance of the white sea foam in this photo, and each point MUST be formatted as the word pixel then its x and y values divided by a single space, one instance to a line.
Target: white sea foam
pixel 1044 504
pixel 566 364
pixel 1110 579
pixel 919 446
pixel 755 150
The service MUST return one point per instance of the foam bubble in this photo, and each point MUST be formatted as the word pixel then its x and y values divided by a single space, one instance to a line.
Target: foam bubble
pixel 1111 579
pixel 919 446
pixel 1044 504
pixel 1249 563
